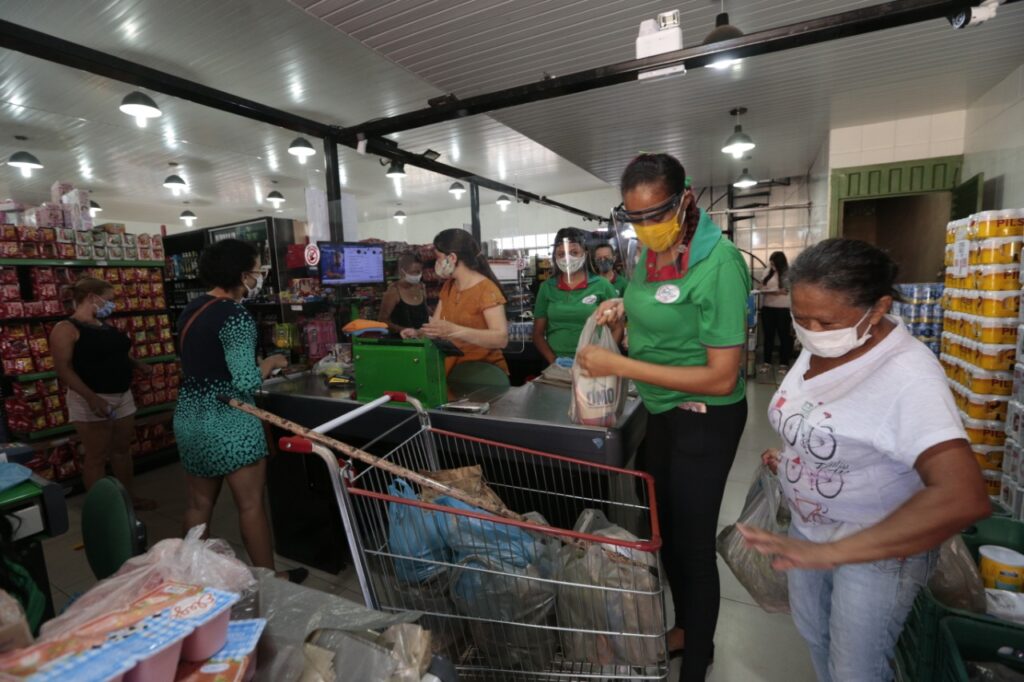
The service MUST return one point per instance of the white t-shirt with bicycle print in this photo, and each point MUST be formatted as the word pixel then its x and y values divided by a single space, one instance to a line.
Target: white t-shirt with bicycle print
pixel 851 436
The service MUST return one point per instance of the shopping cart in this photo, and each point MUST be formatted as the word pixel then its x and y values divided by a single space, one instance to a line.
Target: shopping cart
pixel 506 596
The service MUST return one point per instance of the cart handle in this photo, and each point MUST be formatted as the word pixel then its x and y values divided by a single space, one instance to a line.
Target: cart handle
pixel 295 444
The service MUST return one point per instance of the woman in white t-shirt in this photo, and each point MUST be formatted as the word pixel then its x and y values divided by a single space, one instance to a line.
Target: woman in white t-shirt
pixel 775 317
pixel 874 463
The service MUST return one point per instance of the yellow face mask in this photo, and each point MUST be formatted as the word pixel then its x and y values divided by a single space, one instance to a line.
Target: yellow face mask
pixel 661 236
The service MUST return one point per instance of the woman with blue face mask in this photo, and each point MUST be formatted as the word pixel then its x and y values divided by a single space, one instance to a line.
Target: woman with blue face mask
pixel 92 359
pixel 874 462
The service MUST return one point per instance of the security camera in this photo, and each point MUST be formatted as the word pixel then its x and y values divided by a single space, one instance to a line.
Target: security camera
pixel 971 13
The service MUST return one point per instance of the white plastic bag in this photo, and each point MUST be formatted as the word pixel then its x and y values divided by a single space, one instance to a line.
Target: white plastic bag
pixel 596 401
pixel 763 509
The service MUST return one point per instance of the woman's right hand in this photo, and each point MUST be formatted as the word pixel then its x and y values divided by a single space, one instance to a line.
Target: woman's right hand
pixel 610 311
pixel 770 458
pixel 272 362
pixel 410 333
pixel 100 407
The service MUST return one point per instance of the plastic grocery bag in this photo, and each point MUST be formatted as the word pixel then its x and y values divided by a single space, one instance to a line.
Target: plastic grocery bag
pixel 764 509
pixel 469 536
pixel 956 581
pixel 596 401
pixel 414 532
pixel 192 561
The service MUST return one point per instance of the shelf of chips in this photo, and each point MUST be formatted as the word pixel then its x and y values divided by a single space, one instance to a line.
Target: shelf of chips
pixel 980 344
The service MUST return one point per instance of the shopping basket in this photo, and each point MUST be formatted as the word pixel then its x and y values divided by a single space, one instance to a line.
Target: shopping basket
pixel 506 596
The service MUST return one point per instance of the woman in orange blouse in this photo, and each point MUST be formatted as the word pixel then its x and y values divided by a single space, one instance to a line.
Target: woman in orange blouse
pixel 471 309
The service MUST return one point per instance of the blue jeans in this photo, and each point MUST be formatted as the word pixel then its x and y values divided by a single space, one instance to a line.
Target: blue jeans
pixel 852 615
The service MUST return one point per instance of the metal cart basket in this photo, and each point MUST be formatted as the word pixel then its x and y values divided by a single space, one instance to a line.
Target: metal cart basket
pixel 570 593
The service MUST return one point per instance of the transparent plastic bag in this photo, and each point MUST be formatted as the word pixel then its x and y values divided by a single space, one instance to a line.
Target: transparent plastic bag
pixel 193 561
pixel 956 581
pixel 596 401
pixel 763 509
pixel 613 589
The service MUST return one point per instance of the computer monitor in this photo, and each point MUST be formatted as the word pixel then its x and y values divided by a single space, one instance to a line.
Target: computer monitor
pixel 351 263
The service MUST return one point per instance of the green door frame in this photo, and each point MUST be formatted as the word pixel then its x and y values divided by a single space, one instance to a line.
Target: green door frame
pixel 885 180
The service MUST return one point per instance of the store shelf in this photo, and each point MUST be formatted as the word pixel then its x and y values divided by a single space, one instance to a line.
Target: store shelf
pixel 84 263
pixel 141 464
pixel 68 428
pixel 64 316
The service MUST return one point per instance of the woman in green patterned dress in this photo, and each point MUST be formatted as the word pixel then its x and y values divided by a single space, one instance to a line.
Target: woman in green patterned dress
pixel 217 344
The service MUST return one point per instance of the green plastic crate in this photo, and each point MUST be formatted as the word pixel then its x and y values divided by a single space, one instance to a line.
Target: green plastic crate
pixel 966 639
pixel 917 649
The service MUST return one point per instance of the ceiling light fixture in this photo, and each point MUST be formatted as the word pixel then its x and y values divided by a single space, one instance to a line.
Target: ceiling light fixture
pixel 94 208
pixel 431 155
pixel 141 106
pixel 457 189
pixel 301 148
pixel 396 170
pixel 25 161
pixel 503 202
pixel 745 180
pixel 189 217
pixel 739 142
pixel 276 198
pixel 723 30
pixel 175 184
pixel 400 217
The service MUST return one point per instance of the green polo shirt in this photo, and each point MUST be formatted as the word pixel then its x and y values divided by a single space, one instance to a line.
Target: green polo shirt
pixel 673 321
pixel 620 285
pixel 567 311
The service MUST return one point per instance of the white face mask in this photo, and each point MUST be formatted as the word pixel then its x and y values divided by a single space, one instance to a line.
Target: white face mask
pixel 412 279
pixel 444 267
pixel 251 292
pixel 832 343
pixel 571 264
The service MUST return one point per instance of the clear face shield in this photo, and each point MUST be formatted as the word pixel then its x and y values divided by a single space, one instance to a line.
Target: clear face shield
pixel 572 265
pixel 623 224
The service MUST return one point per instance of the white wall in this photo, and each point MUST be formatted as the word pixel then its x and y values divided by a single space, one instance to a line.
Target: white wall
pixel 905 139
pixel 820 192
pixel 994 142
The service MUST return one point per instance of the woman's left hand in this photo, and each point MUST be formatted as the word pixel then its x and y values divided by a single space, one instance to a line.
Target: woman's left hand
pixel 789 552
pixel 440 329
pixel 599 362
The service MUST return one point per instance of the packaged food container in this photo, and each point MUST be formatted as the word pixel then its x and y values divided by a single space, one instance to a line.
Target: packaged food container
pixel 990 329
pixel 984 381
pixel 947 258
pixel 984 432
pixel 985 407
pixel 1018 382
pixel 1003 223
pixel 993 481
pixel 997 303
pixel 1011 495
pixel 1015 420
pixel 995 357
pixel 999 250
pixel 1011 458
pixel 999 277
pixel 989 456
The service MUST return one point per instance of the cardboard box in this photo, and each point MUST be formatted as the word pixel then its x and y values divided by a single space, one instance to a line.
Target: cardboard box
pixel 58 190
pixel 112 228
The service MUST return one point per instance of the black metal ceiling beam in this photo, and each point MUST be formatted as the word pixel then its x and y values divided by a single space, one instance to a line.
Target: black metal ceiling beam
pixel 53 49
pixel 800 34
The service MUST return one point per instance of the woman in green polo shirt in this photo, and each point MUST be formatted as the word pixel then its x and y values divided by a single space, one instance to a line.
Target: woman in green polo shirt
pixel 565 302
pixel 686 306
pixel 604 265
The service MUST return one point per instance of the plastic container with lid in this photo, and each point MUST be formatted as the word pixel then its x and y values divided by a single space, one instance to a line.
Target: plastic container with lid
pixel 993 481
pixel 1020 341
pixel 987 382
pixel 999 250
pixel 947 257
pixel 990 329
pixel 998 303
pixel 994 357
pixel 984 432
pixel 998 277
pixel 1018 382
pixel 985 407
pixel 989 456
pixel 1015 420
pixel 1003 223
pixel 1011 458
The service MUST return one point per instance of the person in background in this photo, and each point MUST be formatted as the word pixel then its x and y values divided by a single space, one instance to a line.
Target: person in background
pixel 404 305
pixel 92 359
pixel 775 316
pixel 687 309
pixel 566 301
pixel 874 463
pixel 217 443
pixel 471 310
pixel 604 265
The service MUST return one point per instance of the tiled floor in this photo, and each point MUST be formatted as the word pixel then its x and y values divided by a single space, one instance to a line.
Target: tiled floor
pixel 751 645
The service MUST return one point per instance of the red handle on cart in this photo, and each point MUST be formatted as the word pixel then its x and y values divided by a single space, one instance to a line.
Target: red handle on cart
pixel 397 396
pixel 295 444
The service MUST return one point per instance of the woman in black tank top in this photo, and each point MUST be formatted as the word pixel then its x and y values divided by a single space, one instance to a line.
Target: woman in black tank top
pixel 92 359
pixel 404 305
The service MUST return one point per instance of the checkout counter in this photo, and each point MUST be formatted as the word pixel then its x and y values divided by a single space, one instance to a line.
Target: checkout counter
pixel 306 522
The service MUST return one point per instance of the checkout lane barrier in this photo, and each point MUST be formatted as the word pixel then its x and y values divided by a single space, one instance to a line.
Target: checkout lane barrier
pixel 491 610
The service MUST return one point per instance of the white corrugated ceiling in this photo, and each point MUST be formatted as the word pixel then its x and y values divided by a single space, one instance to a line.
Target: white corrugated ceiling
pixel 473 46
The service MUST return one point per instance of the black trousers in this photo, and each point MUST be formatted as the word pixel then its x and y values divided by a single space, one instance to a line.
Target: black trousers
pixel 689 455
pixel 777 322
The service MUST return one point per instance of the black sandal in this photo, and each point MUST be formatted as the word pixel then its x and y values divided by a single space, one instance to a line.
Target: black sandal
pixel 297 575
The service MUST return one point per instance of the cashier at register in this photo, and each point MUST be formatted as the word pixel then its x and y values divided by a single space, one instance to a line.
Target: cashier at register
pixel 565 302
pixel 471 310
